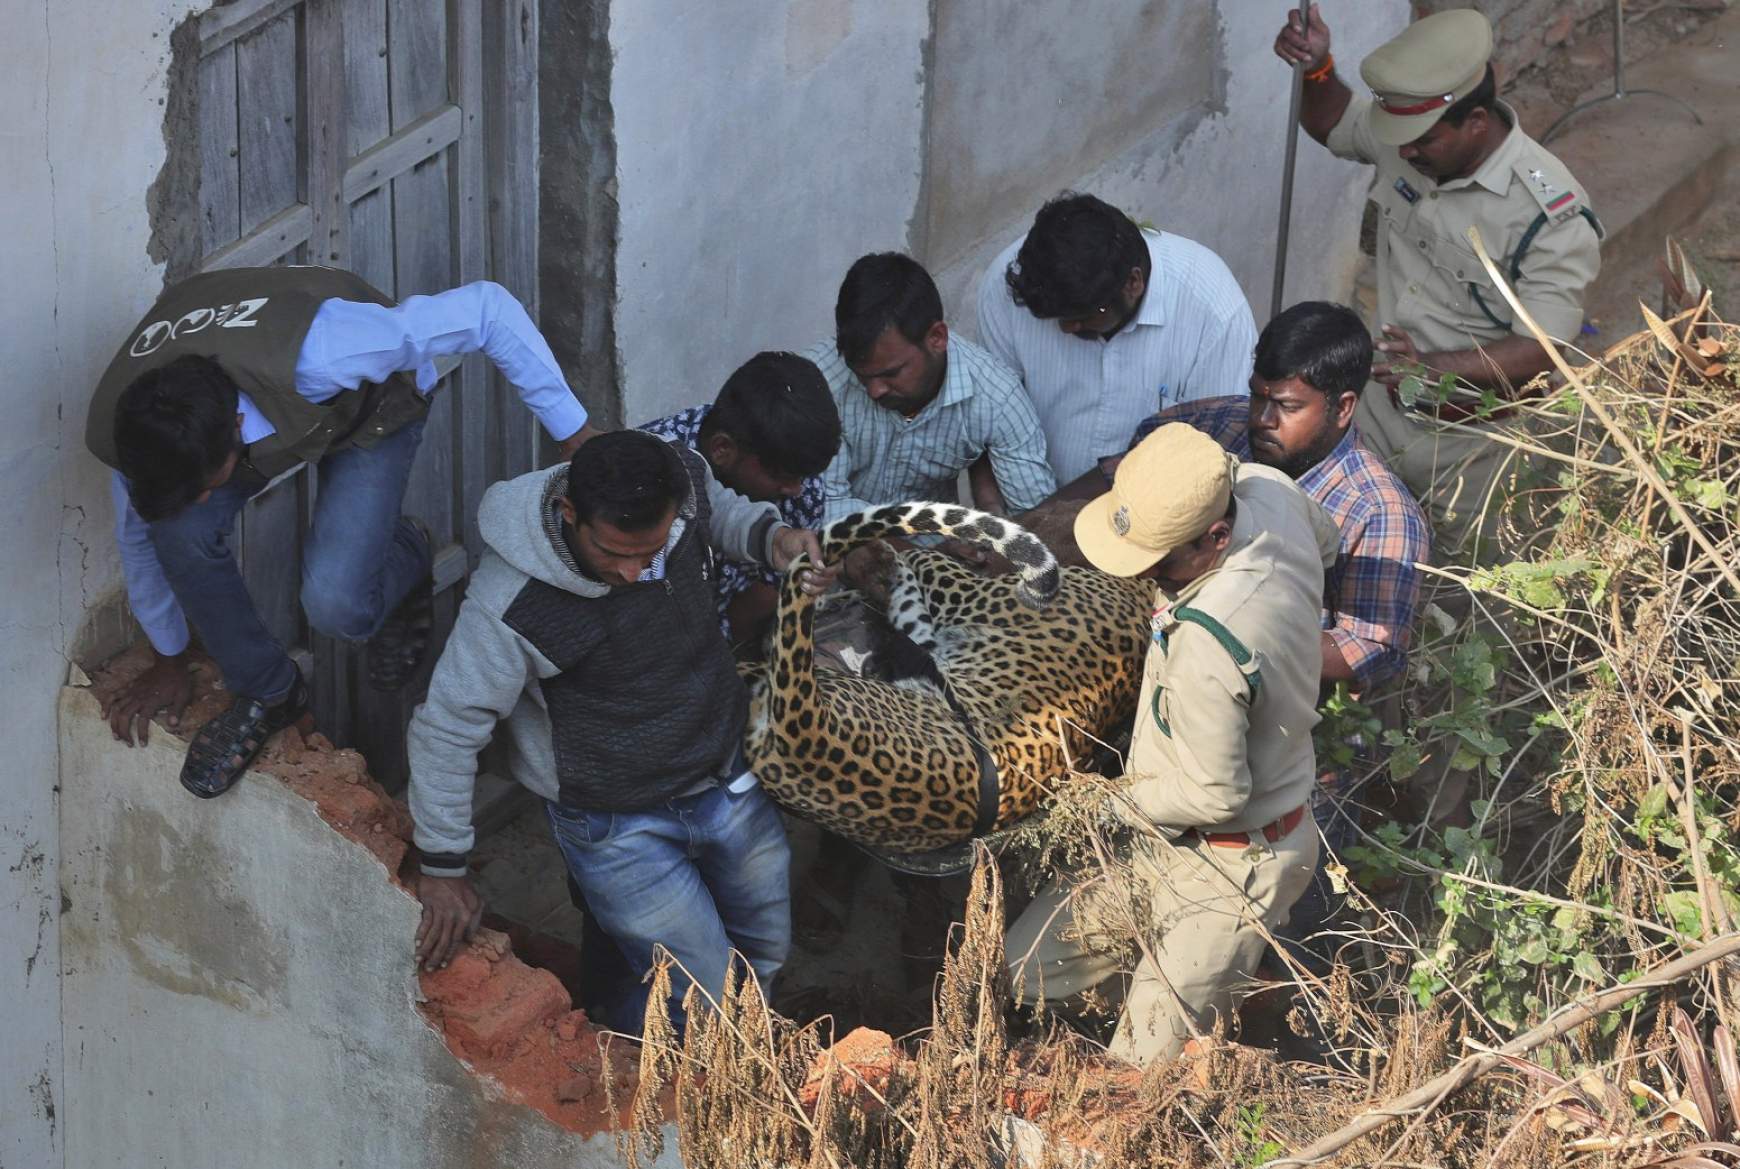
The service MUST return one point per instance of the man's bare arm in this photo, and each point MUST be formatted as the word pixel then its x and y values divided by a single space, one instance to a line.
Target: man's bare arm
pixel 982 479
pixel 1507 363
pixel 1335 667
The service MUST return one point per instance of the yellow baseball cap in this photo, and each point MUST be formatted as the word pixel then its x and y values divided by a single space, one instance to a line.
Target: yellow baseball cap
pixel 1167 492
pixel 1429 67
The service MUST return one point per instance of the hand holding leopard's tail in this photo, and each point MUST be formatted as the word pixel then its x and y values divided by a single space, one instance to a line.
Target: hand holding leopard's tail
pixel 1034 562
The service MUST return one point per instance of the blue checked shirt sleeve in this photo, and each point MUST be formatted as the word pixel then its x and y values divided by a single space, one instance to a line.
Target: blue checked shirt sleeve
pixel 1378 587
pixel 1225 419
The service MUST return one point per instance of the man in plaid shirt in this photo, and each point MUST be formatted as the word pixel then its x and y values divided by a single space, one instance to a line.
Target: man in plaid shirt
pixel 1312 361
pixel 769 436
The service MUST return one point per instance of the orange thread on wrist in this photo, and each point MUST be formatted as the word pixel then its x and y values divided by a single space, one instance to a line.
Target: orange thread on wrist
pixel 1322 71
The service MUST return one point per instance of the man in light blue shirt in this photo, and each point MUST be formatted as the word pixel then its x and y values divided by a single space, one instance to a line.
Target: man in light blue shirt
pixel 1106 323
pixel 237 376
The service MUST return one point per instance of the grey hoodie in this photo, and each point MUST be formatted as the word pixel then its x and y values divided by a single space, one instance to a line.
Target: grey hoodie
pixel 488 672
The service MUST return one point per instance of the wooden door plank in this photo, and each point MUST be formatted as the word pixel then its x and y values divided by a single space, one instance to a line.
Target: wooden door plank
pixel 365 74
pixel 367 124
pixel 423 263
pixel 371 240
pixel 402 150
pixel 321 78
pixel 267 120
pixel 480 406
pixel 333 690
pixel 279 236
pixel 416 58
pixel 226 22
pixel 219 174
pixel 512 82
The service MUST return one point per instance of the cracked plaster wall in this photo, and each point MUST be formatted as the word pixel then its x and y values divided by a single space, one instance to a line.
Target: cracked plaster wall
pixel 239 990
pixel 82 140
pixel 761 146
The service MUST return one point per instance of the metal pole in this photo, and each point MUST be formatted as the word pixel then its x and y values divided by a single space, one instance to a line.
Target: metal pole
pixel 1275 302
pixel 1618 48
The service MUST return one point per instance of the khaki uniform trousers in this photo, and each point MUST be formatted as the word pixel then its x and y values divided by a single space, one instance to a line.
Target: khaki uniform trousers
pixel 1213 908
pixel 1460 476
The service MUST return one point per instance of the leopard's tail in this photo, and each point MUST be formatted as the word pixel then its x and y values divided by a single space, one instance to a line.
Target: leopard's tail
pixel 1040 577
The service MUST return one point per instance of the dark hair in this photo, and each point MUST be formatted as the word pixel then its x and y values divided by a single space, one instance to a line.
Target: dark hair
pixel 1323 344
pixel 777 407
pixel 883 289
pixel 174 428
pixel 1482 97
pixel 1075 258
pixel 627 479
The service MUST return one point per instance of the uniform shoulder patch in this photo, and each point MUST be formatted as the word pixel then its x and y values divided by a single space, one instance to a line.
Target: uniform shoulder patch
pixel 1552 188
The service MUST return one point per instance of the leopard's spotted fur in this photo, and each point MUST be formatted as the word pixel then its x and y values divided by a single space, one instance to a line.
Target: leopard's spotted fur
pixel 1039 661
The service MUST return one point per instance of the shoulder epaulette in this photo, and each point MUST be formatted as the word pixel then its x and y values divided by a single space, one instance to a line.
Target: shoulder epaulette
pixel 1558 200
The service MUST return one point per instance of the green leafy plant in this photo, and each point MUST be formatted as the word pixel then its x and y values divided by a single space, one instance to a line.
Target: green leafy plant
pixel 1254 1147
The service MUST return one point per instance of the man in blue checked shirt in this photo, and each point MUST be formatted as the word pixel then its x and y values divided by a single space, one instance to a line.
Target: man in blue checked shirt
pixel 768 436
pixel 235 377
pixel 1311 365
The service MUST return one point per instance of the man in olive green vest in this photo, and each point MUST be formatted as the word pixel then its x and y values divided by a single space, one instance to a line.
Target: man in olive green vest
pixel 236 376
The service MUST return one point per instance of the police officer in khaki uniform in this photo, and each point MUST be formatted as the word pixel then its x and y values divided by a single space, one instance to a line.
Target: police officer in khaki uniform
pixel 1221 762
pixel 1450 156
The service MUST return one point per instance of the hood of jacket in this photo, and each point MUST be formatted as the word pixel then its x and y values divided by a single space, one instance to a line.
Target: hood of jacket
pixel 521 522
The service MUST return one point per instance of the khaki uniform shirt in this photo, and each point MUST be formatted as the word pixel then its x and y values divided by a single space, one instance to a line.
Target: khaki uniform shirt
pixel 1425 264
pixel 1205 754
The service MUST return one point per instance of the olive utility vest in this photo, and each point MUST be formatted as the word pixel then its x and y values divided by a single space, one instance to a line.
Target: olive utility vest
pixel 252 322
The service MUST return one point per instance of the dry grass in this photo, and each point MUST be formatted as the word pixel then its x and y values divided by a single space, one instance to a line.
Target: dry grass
pixel 1608 662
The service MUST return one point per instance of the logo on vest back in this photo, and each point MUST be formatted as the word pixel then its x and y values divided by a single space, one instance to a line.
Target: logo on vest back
pixel 239 315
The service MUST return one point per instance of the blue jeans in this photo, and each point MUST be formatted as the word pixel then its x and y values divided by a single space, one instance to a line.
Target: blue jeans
pixel 359 560
pixel 700 875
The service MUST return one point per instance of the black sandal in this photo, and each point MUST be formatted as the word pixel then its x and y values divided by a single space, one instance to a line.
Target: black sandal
pixel 226 745
pixel 397 648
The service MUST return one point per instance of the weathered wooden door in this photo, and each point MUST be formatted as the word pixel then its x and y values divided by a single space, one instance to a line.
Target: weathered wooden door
pixel 396 138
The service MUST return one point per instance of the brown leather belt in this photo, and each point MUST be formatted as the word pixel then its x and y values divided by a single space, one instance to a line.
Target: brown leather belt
pixel 1272 832
pixel 1451 411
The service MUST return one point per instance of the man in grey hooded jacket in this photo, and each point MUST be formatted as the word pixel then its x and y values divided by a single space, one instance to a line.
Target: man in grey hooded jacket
pixel 589 628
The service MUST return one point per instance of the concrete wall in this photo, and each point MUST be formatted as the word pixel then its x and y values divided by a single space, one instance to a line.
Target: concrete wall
pixel 807 132
pixel 238 979
pixel 762 145
pixel 1028 98
pixel 1206 166
pixel 82 141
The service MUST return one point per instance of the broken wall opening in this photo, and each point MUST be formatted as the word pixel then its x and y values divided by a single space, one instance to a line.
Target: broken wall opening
pixel 255 953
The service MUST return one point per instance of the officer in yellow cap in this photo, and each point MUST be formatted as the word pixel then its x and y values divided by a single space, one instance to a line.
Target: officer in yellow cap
pixel 1221 763
pixel 1449 156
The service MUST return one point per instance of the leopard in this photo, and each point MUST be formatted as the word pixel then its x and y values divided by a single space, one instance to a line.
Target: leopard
pixel 1031 670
